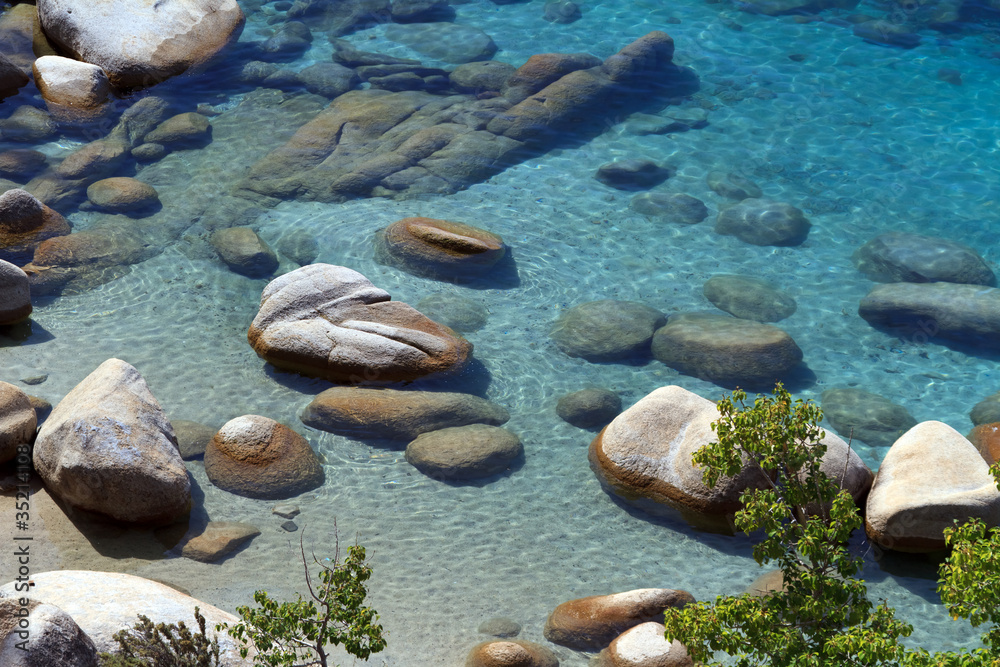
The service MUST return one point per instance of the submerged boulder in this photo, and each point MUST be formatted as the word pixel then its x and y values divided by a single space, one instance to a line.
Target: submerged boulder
pixel 931 477
pixel 917 258
pixel 108 448
pixel 330 321
pixel 244 252
pixel 395 414
pixel 763 222
pixel 122 195
pixel 726 350
pixel 257 457
pixel 748 298
pixel 588 408
pixel 869 417
pixel 464 452
pixel 606 330
pixel 141 45
pixel 591 623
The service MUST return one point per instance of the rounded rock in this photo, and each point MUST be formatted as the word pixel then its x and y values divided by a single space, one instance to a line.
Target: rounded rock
pixel 631 174
pixel 21 163
pixel 869 417
pixel 678 208
pixel 186 129
pixel 464 452
pixel 244 252
pixel 763 222
pixel 986 438
pixel 644 646
pixel 54 637
pixel 500 626
pixel 257 457
pixel 511 653
pixel 916 258
pixel 17 421
pixel 122 195
pixel 986 411
pixel 726 350
pixel 733 186
pixel 477 77
pixel 429 247
pixel 748 298
pixel 15 294
pixel 25 222
pixel 71 83
pixel 589 408
pixel 606 330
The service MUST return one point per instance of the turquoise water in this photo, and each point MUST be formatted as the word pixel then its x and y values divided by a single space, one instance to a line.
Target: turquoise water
pixel 864 138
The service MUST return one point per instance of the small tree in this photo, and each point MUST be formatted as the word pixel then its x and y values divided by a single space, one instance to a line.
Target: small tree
pixel 822 615
pixel 282 633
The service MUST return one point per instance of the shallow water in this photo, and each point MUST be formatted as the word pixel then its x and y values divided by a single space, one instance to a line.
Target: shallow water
pixel 864 138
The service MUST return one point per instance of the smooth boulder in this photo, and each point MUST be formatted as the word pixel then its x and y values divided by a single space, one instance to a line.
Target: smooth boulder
pixel 257 457
pixel 925 311
pixel 397 415
pixel 677 208
pixel 122 195
pixel 592 623
pixel 108 448
pixel 139 45
pixel 50 636
pixel 606 330
pixel 929 478
pixel 917 258
pixel 24 223
pixel 590 407
pixel 332 322
pixel 244 252
pixel 763 222
pixel 123 597
pixel 450 42
pixel 748 298
pixel 869 417
pixel 510 653
pixel 986 411
pixel 17 421
pixel 464 452
pixel 644 646
pixel 726 350
pixel 455 311
pixel 631 174
pixel 438 248
pixel 217 540
pixel 733 186
pixel 71 83
pixel 15 294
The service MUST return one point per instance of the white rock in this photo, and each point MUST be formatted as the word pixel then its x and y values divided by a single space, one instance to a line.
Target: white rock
pixel 139 44
pixel 929 477
pixel 645 646
pixel 71 82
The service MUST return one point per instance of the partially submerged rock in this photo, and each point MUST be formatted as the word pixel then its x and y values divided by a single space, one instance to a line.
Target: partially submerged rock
pixel 71 83
pixel 931 477
pixel 591 623
pixel 108 448
pixel 330 321
pixel 257 457
pixel 510 652
pixel 217 540
pixel 24 223
pixel 122 195
pixel 244 252
pixel 438 248
pixel 644 646
pixel 17 421
pixel 141 45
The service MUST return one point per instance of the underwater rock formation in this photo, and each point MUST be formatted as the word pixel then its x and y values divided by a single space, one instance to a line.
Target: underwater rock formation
pixel 329 321
pixel 748 298
pixel 588 408
pixel 918 258
pixel 763 222
pixel 464 452
pixel 865 416
pixel 606 330
pixel 395 144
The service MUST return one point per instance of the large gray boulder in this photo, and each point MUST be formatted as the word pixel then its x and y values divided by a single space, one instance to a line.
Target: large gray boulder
pixel 924 311
pixel 332 322
pixel 606 330
pixel 41 634
pixel 726 350
pixel 397 415
pixel 916 258
pixel 108 448
pixel 930 477
pixel 122 598
pixel 139 45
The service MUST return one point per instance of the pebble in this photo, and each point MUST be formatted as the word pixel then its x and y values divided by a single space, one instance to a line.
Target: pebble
pixel 290 526
pixel 35 379
pixel 286 510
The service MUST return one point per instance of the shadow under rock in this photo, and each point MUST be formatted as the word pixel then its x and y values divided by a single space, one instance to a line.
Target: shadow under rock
pixel 27 332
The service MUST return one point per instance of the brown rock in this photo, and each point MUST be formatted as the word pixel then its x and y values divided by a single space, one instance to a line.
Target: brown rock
pixel 192 438
pixel 83 259
pixel 511 653
pixel 68 82
pixel 17 421
pixel 28 124
pixel 986 438
pixel 244 252
pixel 429 247
pixel 542 69
pixel 108 448
pixel 21 163
pixel 395 414
pixel 257 457
pixel 218 539
pixel 644 58
pixel 464 452
pixel 181 130
pixel 330 321
pixel 15 294
pixel 121 195
pixel 24 223
pixel 591 623
pixel 11 77
pixel 767 583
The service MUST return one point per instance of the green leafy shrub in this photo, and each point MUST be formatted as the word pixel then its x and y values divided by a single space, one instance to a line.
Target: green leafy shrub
pixel 163 645
pixel 282 633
